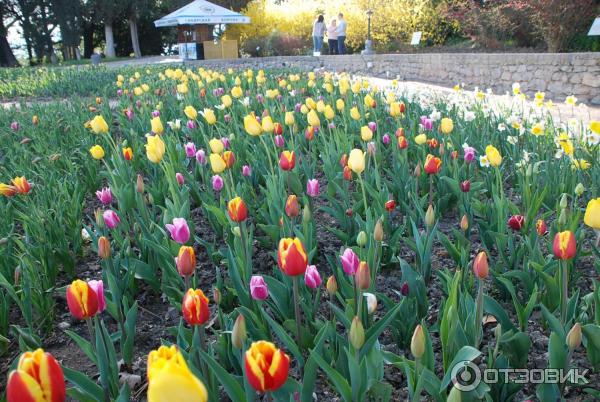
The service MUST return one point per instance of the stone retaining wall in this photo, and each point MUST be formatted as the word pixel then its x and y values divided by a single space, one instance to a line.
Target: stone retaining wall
pixel 557 74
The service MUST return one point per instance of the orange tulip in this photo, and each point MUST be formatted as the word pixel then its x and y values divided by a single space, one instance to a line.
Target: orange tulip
pixel 291 256
pixel 186 261
pixel 564 245
pixel 7 190
pixel 237 210
pixel 402 142
pixel 347 173
pixel 21 184
pixel 103 247
pixel 432 164
pixel 363 276
pixel 266 366
pixel 480 265
pixel 195 307
pixel 38 378
pixel 128 153
pixel 292 209
pixel 82 300
pixel 287 160
pixel 229 158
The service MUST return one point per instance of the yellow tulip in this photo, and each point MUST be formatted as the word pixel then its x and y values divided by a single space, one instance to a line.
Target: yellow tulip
pixel 182 88
pixel 226 100
pixel 329 112
pixel 170 379
pixel 313 118
pixel 98 125
pixel 340 105
pixel 252 126
pixel 592 214
pixel 209 116
pixel 303 109
pixel 97 152
pixel 217 163
pixel 137 91
pixel 216 146
pixel 446 125
pixel 493 156
pixel 421 139
pixel 595 126
pixel 267 124
pixel 354 113
pixel 365 133
pixel 236 92
pixel 155 148
pixel 289 118
pixel 310 102
pixel 394 109
pixel 190 112
pixel 356 161
pixel 156 125
pixel 320 106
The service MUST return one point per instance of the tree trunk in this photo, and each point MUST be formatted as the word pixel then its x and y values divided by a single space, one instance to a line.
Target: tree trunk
pixel 88 41
pixel 7 57
pixel 135 42
pixel 110 40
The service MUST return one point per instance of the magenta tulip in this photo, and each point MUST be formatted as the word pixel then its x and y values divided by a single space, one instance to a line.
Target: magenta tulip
pixel 258 288
pixel 201 157
pixel 246 170
pixel 105 196
pixel 180 232
pixel 190 149
pixel 111 219
pixel 312 188
pixel 98 288
pixel 350 261
pixel 312 278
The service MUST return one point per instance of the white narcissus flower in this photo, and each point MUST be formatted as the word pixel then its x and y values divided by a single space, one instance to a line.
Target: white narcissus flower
pixel 483 161
pixel 469 116
pixel 435 115
pixel 371 302
pixel 501 127
pixel 512 139
pixel 593 139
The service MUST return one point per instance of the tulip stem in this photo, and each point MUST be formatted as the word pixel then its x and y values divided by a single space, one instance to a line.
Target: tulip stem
pixel 479 314
pixel 416 397
pixel 268 154
pixel 362 184
pixel 430 189
pixel 564 297
pixel 297 308
pixel 244 251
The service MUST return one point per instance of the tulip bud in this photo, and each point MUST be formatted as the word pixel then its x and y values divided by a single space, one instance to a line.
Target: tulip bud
pixel 529 171
pixel 429 216
pixel 378 231
pixel 292 207
pixel 574 337
pixel 357 333
pixel 363 276
pixel 404 289
pixel 103 248
pixel 239 334
pixel 139 186
pixel 480 265
pixel 417 171
pixel 361 239
pixel 417 343
pixel 217 295
pixel 579 189
pixel 563 201
pixel 562 217
pixel 306 215
pixel 236 231
pixel 17 275
pixel 331 286
pixel 464 223
pixel 498 332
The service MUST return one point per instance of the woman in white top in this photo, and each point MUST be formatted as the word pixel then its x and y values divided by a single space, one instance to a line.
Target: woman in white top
pixel 332 39
pixel 318 33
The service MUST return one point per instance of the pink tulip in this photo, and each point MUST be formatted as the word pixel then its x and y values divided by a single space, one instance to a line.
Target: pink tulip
pixel 371 148
pixel 119 92
pixel 155 113
pixel 258 288
pixel 373 126
pixel 217 182
pixel 227 118
pixel 312 277
pixel 279 141
pixel 180 232
pixel 246 170
pixel 105 196
pixel 180 179
pixel 191 124
pixel 190 149
pixel 469 154
pixel 426 123
pixel 312 188
pixel 129 114
pixel 111 219
pixel 201 157
pixel 138 103
pixel 350 261
pixel 331 126
pixel 386 139
pixel 98 288
pixel 225 141
pixel 14 126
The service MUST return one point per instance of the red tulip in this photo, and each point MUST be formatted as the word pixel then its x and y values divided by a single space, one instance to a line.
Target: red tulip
pixel 541 227
pixel 291 256
pixel 82 300
pixel 195 307
pixel 516 222
pixel 292 209
pixel 432 164
pixel 390 205
pixel 266 366
pixel 37 378
pixel 402 142
pixel 237 210
pixel 465 186
pixel 287 160
pixel 564 245
pixel 186 261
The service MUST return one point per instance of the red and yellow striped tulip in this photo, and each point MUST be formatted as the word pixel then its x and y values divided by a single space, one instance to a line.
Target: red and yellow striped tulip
pixel 195 307
pixel 128 153
pixel 21 184
pixel 291 256
pixel 38 378
pixel 170 379
pixel 237 210
pixel 266 366
pixel 7 190
pixel 82 300
pixel 287 160
pixel 432 164
pixel 564 245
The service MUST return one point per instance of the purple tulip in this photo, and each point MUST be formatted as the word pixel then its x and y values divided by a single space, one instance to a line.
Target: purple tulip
pixel 119 92
pixel 227 118
pixel 260 98
pixel 98 288
pixel 386 139
pixel 14 126
pixel 331 126
pixel 246 170
pixel 201 157
pixel 138 103
pixel 312 188
pixel 191 124
pixel 279 141
pixel 258 288
pixel 298 107
pixel 371 148
pixel 155 113
pixel 426 123
pixel 226 143
pixel 404 289
pixel 111 219
pixel 180 178
pixel 469 154
pixel 373 126
pixel 350 261
pixel 217 182
pixel 312 279
pixel 180 232
pixel 190 149
pixel 105 196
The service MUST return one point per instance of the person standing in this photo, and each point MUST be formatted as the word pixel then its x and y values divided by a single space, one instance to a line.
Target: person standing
pixel 318 33
pixel 332 40
pixel 341 34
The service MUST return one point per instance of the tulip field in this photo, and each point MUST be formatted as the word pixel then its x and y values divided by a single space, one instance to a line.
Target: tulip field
pixel 176 233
